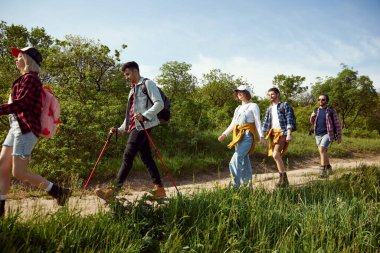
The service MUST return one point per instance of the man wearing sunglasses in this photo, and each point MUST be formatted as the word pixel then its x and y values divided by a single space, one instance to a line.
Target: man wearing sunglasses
pixel 327 128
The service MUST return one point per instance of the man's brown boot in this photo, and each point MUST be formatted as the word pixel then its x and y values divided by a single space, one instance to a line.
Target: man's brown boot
pixel 283 181
pixel 323 172
pixel 158 192
pixel 329 170
pixel 286 181
pixel 108 194
pixel 280 181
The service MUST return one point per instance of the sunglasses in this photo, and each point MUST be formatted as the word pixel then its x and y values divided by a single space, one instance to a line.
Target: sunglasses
pixel 319 99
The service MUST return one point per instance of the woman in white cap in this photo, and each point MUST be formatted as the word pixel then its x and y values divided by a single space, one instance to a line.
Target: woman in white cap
pixel 246 128
pixel 24 110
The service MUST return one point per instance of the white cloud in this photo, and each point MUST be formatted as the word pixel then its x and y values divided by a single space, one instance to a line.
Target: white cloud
pixel 258 73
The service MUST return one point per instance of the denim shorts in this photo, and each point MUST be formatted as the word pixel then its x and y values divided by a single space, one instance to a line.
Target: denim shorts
pixel 322 140
pixel 22 144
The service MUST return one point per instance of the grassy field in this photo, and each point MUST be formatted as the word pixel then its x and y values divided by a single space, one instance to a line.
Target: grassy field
pixel 212 156
pixel 337 215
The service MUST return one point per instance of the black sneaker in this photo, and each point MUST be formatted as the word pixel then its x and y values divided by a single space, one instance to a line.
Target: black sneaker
pixel 60 194
pixel 63 195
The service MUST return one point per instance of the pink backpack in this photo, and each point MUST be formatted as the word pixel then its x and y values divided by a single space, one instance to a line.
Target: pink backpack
pixel 50 113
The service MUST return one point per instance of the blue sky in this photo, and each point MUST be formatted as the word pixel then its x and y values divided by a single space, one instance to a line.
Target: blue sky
pixel 253 39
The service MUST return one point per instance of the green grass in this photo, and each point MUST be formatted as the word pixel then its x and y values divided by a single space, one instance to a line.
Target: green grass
pixel 339 215
pixel 202 153
pixel 304 145
pixel 212 155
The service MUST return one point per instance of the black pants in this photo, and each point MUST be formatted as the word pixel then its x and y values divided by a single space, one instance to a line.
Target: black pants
pixel 138 143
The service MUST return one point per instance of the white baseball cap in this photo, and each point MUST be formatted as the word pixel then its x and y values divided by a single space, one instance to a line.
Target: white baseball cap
pixel 243 88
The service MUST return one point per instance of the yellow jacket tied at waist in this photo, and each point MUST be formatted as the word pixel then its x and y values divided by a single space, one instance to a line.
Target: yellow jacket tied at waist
pixel 238 132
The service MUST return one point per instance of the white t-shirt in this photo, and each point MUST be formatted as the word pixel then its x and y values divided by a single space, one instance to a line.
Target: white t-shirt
pixel 252 114
pixel 275 120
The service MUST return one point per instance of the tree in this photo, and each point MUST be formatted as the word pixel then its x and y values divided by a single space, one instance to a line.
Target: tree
pixel 176 80
pixel 180 86
pixel 290 86
pixel 217 96
pixel 350 94
pixel 83 66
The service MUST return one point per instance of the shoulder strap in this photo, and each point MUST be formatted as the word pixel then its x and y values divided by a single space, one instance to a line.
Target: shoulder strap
pixel 145 91
pixel 243 110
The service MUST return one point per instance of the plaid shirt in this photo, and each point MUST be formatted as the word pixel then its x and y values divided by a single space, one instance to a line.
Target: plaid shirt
pixel 329 123
pixel 26 103
pixel 285 117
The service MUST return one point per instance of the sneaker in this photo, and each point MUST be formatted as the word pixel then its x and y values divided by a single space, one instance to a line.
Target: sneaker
pixel 108 194
pixel 63 195
pixel 158 192
pixel 60 194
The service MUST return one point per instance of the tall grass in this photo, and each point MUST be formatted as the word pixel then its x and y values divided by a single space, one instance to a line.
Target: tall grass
pixel 204 154
pixel 341 215
pixel 212 155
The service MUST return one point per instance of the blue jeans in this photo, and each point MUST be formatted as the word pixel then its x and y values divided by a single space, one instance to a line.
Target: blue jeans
pixel 240 165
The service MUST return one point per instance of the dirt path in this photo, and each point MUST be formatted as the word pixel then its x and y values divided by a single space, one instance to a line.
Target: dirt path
pixel 90 204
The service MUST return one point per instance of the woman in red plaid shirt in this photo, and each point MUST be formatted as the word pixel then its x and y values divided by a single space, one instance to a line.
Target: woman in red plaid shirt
pixel 24 110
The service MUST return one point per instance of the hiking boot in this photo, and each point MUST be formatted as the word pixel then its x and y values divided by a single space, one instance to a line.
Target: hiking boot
pixel 108 194
pixel 158 192
pixel 2 208
pixel 329 170
pixel 323 172
pixel 283 181
pixel 61 194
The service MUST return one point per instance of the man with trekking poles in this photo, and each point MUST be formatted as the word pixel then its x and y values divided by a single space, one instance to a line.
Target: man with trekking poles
pixel 144 103
pixel 327 128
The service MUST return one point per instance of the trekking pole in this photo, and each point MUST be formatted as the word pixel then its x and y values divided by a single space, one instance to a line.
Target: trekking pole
pixel 160 158
pixel 93 170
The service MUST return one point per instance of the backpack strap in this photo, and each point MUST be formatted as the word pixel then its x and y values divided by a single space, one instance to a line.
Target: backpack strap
pixel 282 106
pixel 145 91
pixel 245 109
